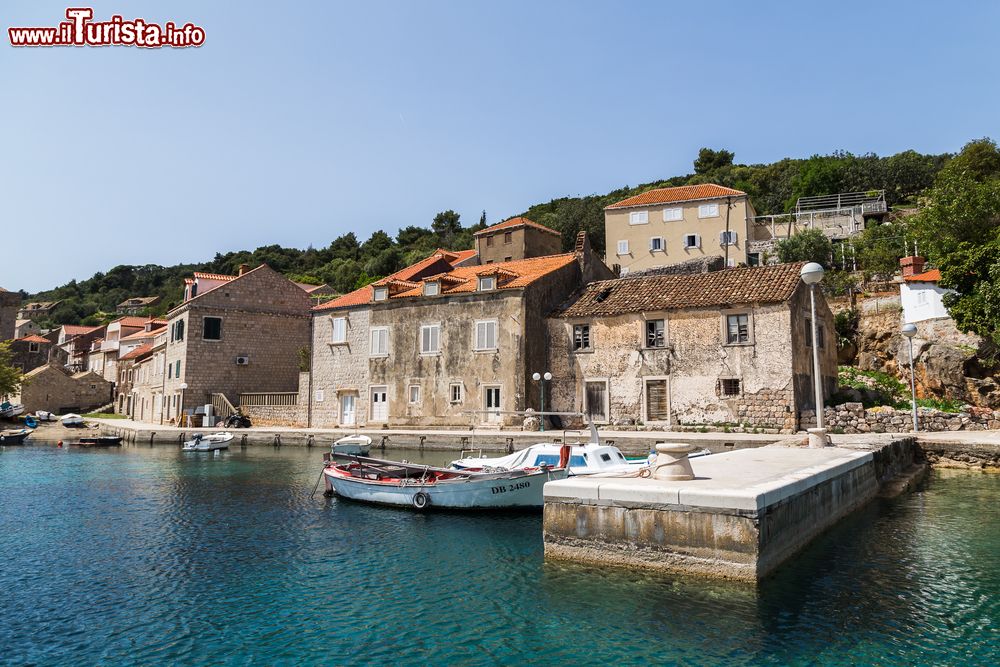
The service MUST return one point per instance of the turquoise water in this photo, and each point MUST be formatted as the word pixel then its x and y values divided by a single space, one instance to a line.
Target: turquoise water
pixel 151 556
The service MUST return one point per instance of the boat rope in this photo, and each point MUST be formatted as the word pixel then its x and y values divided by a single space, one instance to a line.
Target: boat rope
pixel 316 487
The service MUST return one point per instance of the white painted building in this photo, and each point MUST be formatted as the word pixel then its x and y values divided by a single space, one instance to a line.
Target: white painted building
pixel 920 295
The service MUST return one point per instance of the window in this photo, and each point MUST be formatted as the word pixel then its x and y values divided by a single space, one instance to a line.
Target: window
pixel 809 334
pixel 177 369
pixel 32 347
pixel 753 259
pixel 729 387
pixel 432 288
pixel 486 335
pixel 595 400
pixel 487 283
pixel 731 263
pixel 819 334
pixel 708 211
pixel 638 218
pixel 414 393
pixel 623 247
pixel 656 244
pixel 430 339
pixel 737 329
pixel 656 400
pixel 379 342
pixel 177 331
pixel 338 330
pixel 692 241
pixel 489 241
pixel 455 392
pixel 507 259
pixel 581 337
pixel 655 333
pixel 727 238
pixel 211 328
pixel 320 396
pixel 508 238
pixel 673 214
pixel 170 371
pixel 381 293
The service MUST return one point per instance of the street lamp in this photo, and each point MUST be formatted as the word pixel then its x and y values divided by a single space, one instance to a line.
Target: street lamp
pixel 812 274
pixel 910 330
pixel 180 417
pixel 543 379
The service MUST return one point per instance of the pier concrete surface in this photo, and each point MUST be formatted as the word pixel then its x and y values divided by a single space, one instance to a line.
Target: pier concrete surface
pixel 744 514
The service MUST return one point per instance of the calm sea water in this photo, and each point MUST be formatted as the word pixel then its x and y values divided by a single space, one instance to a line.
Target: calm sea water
pixel 151 556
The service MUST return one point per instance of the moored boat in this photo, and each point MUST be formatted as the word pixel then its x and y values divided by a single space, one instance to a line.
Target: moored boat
pixel 419 486
pixel 352 444
pixel 100 441
pixel 585 459
pixel 14 436
pixel 71 419
pixel 208 443
pixel 10 410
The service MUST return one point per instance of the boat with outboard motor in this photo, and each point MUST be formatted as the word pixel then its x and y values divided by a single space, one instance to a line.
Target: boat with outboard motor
pixel 419 486
pixel 352 444
pixel 208 443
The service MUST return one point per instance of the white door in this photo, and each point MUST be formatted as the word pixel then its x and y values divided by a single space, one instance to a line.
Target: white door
pixel 347 413
pixel 492 404
pixel 380 405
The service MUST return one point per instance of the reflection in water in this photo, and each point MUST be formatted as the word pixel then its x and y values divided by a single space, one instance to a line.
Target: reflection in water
pixel 143 555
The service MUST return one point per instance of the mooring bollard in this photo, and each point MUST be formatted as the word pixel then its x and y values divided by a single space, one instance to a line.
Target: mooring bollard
pixel 510 445
pixel 151 436
pixel 422 438
pixel 243 441
pixel 309 441
pixel 672 462
pixel 382 443
pixel 277 440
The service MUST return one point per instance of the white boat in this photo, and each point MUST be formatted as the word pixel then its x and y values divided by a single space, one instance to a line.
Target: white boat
pixel 10 410
pixel 45 416
pixel 425 487
pixel 352 444
pixel 208 443
pixel 585 459
pixel 71 420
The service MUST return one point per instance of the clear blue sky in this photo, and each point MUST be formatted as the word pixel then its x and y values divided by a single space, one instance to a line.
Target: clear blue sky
pixel 297 122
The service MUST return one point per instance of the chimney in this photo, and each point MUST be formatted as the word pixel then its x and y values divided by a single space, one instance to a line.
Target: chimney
pixel 912 265
pixel 243 269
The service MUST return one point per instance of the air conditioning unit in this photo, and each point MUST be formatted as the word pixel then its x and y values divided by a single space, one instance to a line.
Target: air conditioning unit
pixel 242 361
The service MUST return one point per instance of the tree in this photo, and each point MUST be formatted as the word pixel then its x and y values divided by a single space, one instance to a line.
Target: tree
pixel 879 248
pixel 10 377
pixel 447 226
pixel 974 270
pixel 810 245
pixel 709 160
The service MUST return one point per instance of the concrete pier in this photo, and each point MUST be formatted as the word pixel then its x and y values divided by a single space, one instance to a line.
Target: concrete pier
pixel 745 512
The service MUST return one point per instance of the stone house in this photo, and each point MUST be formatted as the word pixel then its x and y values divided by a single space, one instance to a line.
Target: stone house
pixel 728 347
pixel 445 342
pixel 670 225
pixel 9 302
pixel 56 389
pixel 77 341
pixel 516 238
pixel 141 377
pixel 23 328
pixel 137 304
pixel 234 335
pixel 920 295
pixel 104 354
pixel 30 352
pixel 36 310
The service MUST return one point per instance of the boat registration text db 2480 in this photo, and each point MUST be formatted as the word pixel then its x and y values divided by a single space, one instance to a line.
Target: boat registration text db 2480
pixel 510 487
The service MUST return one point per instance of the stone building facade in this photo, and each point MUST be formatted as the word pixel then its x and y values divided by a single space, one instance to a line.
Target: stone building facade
pixel 9 303
pixel 729 347
pixel 56 389
pixel 30 352
pixel 445 342
pixel 516 238
pixel 232 335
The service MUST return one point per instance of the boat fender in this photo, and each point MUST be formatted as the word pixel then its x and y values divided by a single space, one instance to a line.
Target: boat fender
pixel 421 500
pixel 564 455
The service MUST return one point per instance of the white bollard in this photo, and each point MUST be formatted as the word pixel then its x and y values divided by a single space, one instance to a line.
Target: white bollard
pixel 672 462
pixel 818 438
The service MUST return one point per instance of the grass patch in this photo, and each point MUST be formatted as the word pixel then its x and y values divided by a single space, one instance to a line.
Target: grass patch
pixel 104 415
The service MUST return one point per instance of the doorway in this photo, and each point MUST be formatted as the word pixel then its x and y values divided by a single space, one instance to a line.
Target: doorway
pixel 491 404
pixel 348 415
pixel 380 404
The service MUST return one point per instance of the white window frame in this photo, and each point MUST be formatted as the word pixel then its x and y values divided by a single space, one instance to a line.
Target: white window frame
pixel 372 352
pixel 451 393
pixel 496 335
pixel 487 283
pixel 380 294
pixel 662 244
pixel 336 322
pixel 433 288
pixel 413 394
pixel 673 214
pixel 638 218
pixel 725 327
pixel 622 247
pixel 728 238
pixel 434 336
pixel 32 348
pixel 708 210
pixel 319 396
pixel 697 241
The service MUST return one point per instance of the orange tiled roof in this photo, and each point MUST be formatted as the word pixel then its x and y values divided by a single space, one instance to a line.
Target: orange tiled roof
pixel 34 339
pixel 138 335
pixel 439 262
pixel 78 329
pixel 214 276
pixel 678 194
pixel 514 223
pixel 136 321
pixel 137 352
pixel 932 276
pixel 759 284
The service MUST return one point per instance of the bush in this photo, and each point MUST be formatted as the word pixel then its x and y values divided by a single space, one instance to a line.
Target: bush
pixel 811 245
pixel 845 323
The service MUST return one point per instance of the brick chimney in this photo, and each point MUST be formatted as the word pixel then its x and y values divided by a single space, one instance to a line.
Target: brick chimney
pixel 243 269
pixel 912 265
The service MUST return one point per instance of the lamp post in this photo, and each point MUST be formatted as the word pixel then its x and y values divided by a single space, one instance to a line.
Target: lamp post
pixel 910 330
pixel 543 378
pixel 180 417
pixel 812 274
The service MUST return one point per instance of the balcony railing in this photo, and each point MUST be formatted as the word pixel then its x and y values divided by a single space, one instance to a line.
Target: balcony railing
pixel 269 399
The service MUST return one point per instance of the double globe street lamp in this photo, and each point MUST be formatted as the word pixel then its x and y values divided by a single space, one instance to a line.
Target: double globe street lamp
pixel 910 330
pixel 812 274
pixel 542 378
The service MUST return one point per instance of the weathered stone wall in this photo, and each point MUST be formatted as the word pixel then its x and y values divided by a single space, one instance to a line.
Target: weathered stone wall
pixel 339 368
pixel 854 418
pixel 9 303
pixel 55 390
pixel 24 359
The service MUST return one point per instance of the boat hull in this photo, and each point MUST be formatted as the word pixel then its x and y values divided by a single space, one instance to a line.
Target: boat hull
pixel 209 443
pixel 518 492
pixel 14 437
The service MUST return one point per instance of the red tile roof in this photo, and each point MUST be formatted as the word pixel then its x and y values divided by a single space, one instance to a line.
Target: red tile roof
pixel 137 352
pixel 678 194
pixel 214 276
pixel 78 329
pixel 34 339
pixel 136 321
pixel 636 294
pixel 138 335
pixel 932 276
pixel 515 223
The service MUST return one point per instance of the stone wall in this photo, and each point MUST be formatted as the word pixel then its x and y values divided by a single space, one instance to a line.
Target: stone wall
pixel 854 418
pixel 54 389
pixel 9 303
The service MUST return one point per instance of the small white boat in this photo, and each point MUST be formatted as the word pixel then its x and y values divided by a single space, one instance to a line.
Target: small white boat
pixel 14 436
pixel 352 444
pixel 585 459
pixel 45 416
pixel 208 443
pixel 71 420
pixel 425 487
pixel 10 410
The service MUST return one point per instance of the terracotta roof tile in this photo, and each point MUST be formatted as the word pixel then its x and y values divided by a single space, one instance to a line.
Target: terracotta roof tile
pixel 138 335
pixel 137 352
pixel 762 284
pixel 78 329
pixel 136 321
pixel 678 194
pixel 932 276
pixel 514 223
pixel 214 276
pixel 34 339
